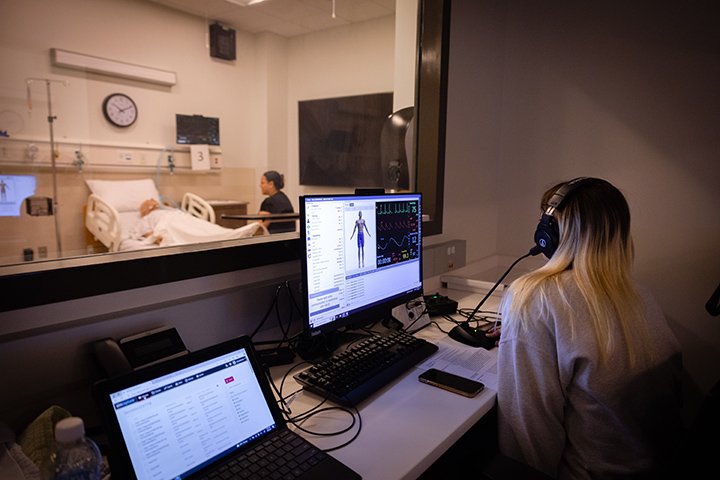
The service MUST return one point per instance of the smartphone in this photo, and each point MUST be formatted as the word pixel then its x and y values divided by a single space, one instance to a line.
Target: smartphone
pixel 451 382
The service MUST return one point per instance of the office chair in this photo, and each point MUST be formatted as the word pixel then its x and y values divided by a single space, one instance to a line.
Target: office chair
pixel 700 447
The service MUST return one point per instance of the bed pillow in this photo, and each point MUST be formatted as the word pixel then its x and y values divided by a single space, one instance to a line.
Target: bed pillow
pixel 124 195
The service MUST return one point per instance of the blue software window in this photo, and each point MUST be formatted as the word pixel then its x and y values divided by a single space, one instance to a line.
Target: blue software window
pixel 13 190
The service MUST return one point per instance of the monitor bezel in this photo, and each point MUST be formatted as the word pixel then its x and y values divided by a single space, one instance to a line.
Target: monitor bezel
pixel 374 312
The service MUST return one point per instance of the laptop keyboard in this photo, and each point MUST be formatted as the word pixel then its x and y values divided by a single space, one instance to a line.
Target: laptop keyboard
pixel 284 456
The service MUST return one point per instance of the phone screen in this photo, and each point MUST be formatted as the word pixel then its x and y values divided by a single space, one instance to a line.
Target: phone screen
pixel 451 382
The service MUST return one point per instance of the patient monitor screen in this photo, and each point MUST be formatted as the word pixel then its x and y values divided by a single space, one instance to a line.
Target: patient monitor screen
pixel 197 130
pixel 362 256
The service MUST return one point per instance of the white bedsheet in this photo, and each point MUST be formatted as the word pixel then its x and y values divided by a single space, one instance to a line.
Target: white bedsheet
pixel 166 227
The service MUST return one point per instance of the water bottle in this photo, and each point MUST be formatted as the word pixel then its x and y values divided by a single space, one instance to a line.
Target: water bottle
pixel 77 457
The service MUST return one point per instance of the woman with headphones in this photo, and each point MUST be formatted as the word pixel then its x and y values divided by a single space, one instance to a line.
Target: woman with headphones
pixel 588 369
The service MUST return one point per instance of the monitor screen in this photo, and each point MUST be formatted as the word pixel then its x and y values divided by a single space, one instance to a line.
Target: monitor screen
pixel 197 130
pixel 362 257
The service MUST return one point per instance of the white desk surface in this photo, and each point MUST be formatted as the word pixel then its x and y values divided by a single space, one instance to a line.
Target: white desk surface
pixel 407 425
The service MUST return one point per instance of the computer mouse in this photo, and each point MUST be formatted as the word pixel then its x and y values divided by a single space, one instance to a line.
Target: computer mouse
pixel 472 336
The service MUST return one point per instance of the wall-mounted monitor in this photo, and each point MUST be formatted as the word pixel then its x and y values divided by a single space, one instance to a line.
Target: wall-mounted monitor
pixel 339 140
pixel 197 130
pixel 13 190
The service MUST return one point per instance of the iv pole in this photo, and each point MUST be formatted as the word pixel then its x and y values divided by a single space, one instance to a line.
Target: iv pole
pixel 50 119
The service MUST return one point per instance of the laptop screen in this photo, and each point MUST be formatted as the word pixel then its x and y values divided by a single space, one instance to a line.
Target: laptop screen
pixel 176 423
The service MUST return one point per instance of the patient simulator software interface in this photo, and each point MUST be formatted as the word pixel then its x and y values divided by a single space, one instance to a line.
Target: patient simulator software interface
pixel 360 251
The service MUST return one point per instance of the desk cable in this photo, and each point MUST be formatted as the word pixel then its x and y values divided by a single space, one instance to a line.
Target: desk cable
pixel 300 418
pixel 284 328
pixel 533 251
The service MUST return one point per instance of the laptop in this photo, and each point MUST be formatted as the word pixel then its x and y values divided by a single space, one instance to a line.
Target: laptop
pixel 210 412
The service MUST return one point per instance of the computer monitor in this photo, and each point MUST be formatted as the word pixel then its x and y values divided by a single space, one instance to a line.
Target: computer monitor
pixel 197 130
pixel 362 258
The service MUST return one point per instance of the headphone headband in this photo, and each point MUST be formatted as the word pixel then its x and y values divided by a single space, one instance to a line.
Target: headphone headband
pixel 557 197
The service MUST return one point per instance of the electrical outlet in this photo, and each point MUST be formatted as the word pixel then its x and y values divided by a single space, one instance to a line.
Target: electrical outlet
pixel 216 162
pixel 446 256
pixel 31 152
pixel 42 252
pixel 126 156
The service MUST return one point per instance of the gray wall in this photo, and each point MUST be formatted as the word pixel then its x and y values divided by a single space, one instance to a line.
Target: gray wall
pixel 540 92
pixel 45 350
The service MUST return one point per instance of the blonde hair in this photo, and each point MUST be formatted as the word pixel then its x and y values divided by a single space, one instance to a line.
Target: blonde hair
pixel 596 248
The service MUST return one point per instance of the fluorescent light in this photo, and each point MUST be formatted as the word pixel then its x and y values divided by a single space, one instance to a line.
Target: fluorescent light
pixel 244 3
pixel 80 61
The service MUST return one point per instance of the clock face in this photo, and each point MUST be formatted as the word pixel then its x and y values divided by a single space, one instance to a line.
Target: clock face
pixel 120 110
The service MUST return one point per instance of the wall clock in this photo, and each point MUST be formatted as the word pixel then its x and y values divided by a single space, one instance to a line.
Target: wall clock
pixel 120 110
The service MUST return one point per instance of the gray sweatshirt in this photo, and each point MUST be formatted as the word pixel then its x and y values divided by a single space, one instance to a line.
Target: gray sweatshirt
pixel 564 412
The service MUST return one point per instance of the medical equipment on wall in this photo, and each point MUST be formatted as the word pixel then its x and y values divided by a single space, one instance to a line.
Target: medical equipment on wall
pixel 51 119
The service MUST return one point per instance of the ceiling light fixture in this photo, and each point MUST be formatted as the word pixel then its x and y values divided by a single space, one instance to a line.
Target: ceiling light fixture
pixel 244 3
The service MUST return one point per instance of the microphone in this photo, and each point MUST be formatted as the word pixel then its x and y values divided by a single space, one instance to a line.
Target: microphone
pixel 475 337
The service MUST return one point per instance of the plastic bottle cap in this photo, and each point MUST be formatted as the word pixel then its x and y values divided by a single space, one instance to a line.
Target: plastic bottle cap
pixel 69 429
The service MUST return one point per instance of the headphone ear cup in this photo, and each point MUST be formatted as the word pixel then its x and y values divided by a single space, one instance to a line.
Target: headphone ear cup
pixel 547 235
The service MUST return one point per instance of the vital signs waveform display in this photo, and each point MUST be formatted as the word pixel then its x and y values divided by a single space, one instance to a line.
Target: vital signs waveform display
pixel 397 232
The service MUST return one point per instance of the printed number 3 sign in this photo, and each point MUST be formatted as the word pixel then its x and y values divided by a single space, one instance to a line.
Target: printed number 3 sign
pixel 200 157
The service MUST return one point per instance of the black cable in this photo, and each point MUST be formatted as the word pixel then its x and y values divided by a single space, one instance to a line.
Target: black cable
pixel 433 322
pixel 465 312
pixel 292 297
pixel 300 418
pixel 267 314
pixel 413 332
pixel 284 407
pixel 316 410
pixel 284 328
pixel 424 312
pixel 285 376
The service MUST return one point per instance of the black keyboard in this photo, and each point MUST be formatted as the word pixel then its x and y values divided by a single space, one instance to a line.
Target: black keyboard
pixel 349 377
pixel 283 456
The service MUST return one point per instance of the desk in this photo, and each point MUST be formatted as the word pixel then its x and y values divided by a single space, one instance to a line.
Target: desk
pixel 228 207
pixel 271 217
pixel 407 425
pixel 288 219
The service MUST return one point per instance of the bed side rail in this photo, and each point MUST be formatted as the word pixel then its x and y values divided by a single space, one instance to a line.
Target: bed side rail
pixel 198 207
pixel 102 220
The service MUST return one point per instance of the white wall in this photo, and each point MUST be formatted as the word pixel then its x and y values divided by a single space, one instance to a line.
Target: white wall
pixel 540 92
pixel 255 97
pixel 353 60
pixel 131 31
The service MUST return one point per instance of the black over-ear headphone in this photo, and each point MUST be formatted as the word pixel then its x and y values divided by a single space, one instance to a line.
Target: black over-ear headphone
pixel 547 233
